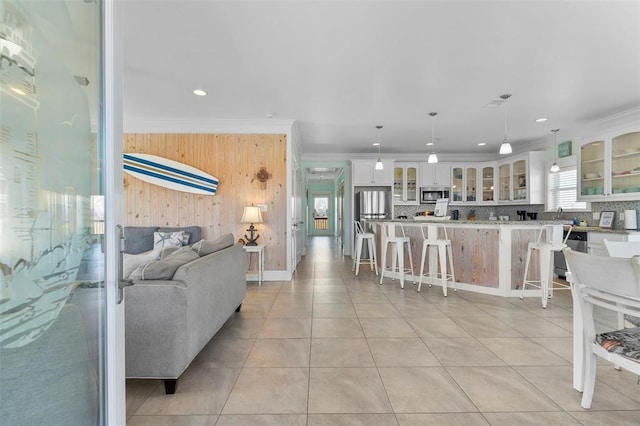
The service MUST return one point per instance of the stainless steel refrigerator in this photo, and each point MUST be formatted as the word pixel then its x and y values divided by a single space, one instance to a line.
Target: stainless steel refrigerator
pixel 371 204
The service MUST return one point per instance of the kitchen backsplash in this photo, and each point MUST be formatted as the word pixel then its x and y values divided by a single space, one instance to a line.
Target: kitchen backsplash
pixel 484 212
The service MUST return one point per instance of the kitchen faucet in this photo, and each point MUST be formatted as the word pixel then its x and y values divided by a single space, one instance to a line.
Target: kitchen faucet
pixel 559 213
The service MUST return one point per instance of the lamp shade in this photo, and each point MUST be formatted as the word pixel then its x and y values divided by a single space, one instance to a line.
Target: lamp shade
pixel 433 158
pixel 505 148
pixel 252 214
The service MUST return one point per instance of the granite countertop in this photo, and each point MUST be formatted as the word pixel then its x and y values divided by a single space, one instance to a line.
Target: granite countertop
pixel 510 222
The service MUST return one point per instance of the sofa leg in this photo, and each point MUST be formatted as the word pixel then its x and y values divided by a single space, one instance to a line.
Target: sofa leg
pixel 238 308
pixel 170 386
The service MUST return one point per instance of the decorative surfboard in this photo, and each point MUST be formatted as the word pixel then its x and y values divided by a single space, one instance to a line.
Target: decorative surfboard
pixel 169 174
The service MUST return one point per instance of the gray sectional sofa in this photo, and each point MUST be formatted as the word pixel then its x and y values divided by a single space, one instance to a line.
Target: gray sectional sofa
pixel 169 321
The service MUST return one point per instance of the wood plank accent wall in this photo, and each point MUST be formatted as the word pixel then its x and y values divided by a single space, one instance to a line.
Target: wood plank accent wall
pixel 234 159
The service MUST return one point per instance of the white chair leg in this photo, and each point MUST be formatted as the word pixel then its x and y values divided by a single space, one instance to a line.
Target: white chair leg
pixel 433 254
pixel 383 262
pixel 394 259
pixel 400 252
pixel 589 378
pixel 371 254
pixel 443 268
pixel 358 253
pixel 544 255
pixel 526 272
pixel 410 253
pixel 453 275
pixel 424 255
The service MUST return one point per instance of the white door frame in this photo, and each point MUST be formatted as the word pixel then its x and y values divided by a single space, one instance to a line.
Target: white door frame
pixel 115 398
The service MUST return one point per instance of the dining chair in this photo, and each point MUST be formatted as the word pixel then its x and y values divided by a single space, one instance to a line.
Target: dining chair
pixel 612 284
pixel 623 249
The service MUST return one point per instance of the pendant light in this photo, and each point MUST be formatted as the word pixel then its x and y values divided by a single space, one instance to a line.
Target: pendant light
pixel 379 165
pixel 554 167
pixel 505 148
pixel 433 158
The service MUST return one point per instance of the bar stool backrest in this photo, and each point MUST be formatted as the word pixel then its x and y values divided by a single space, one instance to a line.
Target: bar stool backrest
pixel 552 234
pixel 358 225
pixel 432 231
pixel 389 230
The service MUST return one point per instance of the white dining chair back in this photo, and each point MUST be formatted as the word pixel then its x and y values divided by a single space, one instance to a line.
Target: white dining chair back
pixel 622 248
pixel 612 284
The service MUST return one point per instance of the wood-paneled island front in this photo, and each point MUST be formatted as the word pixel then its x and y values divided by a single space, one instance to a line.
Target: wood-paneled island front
pixel 488 257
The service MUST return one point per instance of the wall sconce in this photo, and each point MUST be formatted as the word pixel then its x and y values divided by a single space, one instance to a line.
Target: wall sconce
pixel 251 214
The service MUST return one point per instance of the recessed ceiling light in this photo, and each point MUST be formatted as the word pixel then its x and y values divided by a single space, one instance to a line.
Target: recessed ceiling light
pixel 376 144
pixel 199 92
pixel 541 119
pixel 429 143
pixel 17 90
pixel 482 144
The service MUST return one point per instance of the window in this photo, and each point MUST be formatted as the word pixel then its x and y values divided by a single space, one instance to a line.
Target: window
pixel 562 190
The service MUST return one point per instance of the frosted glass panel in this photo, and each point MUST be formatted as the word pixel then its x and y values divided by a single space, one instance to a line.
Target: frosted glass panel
pixel 51 292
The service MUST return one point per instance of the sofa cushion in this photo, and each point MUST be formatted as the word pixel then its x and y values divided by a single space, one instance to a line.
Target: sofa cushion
pixel 131 261
pixel 164 269
pixel 138 239
pixel 195 233
pixel 204 247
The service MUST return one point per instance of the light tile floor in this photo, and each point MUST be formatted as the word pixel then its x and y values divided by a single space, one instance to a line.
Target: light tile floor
pixel 329 348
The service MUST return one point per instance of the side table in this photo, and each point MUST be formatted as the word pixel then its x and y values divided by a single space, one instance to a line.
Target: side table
pixel 260 267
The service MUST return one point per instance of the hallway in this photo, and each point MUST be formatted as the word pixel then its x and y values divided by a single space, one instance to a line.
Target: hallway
pixel 329 348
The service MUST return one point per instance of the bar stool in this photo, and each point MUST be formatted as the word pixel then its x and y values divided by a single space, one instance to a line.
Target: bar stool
pixel 397 251
pixel 371 244
pixel 549 240
pixel 437 248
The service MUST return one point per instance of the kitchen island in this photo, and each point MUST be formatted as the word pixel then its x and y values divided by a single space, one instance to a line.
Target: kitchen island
pixel 488 256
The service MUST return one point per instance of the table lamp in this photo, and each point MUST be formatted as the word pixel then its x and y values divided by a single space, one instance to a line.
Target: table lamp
pixel 251 214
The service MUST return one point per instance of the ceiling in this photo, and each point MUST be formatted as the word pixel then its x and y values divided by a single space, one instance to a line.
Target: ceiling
pixel 339 68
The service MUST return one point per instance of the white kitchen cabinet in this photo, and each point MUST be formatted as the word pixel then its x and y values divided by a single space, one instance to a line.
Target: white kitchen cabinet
pixel 521 179
pixel 405 183
pixel 363 173
pixel 435 174
pixel 609 166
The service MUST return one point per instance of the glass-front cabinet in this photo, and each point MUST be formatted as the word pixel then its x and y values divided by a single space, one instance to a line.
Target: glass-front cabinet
pixel 592 168
pixel 504 182
pixel 625 164
pixel 471 174
pixel 610 167
pixel 457 182
pixel 473 184
pixel 405 183
pixel 488 186
pixel 521 179
pixel 465 184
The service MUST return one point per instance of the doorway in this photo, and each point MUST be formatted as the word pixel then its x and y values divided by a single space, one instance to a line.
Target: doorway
pixel 321 214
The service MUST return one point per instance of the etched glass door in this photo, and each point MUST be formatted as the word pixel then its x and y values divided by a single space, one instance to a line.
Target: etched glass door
pixel 52 297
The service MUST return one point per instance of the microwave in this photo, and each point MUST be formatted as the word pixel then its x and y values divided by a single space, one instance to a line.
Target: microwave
pixel 429 195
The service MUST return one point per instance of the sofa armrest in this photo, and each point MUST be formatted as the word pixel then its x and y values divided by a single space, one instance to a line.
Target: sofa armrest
pixel 156 329
pixel 217 286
